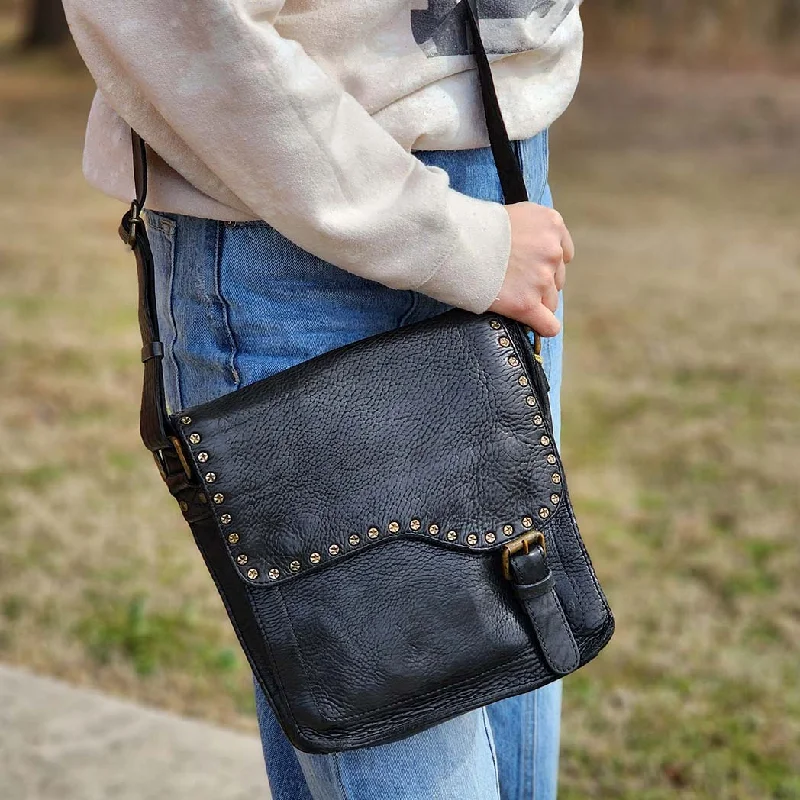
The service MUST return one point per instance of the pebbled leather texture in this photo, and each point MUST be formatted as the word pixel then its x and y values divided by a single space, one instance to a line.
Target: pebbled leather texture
pixel 434 432
pixel 383 635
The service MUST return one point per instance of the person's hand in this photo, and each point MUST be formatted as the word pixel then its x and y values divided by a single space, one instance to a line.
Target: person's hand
pixel 541 247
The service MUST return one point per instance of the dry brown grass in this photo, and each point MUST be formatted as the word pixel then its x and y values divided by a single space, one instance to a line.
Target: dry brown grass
pixel 681 430
pixel 730 33
pixel 98 576
pixel 681 427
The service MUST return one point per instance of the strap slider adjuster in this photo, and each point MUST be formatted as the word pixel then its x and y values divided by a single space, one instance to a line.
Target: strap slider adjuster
pixel 152 350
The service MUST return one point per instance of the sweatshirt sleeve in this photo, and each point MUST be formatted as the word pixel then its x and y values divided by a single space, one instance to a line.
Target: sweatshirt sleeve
pixel 233 105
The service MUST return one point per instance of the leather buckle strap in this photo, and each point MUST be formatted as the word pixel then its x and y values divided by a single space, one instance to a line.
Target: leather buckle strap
pixel 155 427
pixel 522 544
pixel 525 565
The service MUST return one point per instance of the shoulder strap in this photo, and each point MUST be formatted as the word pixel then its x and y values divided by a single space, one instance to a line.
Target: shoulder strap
pixel 512 180
pixel 154 423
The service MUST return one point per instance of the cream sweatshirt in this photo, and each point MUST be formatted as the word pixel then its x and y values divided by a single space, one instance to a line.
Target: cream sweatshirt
pixel 304 113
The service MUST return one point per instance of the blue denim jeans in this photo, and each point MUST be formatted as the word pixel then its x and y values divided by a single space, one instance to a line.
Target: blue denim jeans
pixel 238 302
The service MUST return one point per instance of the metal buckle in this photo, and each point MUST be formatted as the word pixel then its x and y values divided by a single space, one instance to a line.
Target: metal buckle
pixel 537 347
pixel 133 220
pixel 158 457
pixel 176 443
pixel 161 460
pixel 520 545
pixel 537 343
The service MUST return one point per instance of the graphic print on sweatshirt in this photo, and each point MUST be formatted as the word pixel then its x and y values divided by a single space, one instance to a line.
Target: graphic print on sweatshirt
pixel 507 26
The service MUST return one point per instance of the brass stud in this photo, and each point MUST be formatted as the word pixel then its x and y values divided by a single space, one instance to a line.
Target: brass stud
pixel 496 324
pixel 472 539
pixel 537 419
pixel 241 558
pixel 527 522
pixel 433 529
pixel 451 536
pixel 490 537
pixel 503 341
pixel 554 498
pixel 274 574
pixel 334 549
pixel 252 574
pixel 295 566
pixel 544 513
pixel 184 506
pixel 513 361
pixel 522 380
pixel 186 420
pixel 508 530
pixel 194 438
pixel 530 400
pixel 551 459
pixel 202 457
pixel 393 527
pixel 233 538
pixel 545 440
pixel 415 524
pixel 219 498
pixel 225 519
pixel 354 539
pixel 556 477
pixel 373 533
pixel 210 477
pixel 314 558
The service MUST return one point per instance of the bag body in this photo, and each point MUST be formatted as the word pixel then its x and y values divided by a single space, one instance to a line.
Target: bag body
pixel 360 550
pixel 388 523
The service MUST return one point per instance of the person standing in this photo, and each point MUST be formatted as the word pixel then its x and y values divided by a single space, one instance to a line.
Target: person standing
pixel 320 172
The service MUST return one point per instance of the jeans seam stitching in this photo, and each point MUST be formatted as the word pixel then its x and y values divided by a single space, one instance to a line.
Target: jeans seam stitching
pixel 415 298
pixel 492 753
pixel 173 262
pixel 339 779
pixel 224 305
pixel 535 746
pixel 520 157
pixel 545 161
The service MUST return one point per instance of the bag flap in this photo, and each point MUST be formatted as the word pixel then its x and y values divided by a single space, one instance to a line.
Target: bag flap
pixel 437 431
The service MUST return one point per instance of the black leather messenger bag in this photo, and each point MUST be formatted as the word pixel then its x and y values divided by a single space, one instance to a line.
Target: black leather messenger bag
pixel 388 524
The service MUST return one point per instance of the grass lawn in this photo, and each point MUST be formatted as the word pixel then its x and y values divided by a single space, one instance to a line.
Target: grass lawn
pixel 681 433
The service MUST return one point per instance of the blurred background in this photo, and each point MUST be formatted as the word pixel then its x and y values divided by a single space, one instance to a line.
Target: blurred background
pixel 677 169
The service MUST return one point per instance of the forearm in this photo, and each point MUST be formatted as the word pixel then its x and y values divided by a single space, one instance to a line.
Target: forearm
pixel 251 114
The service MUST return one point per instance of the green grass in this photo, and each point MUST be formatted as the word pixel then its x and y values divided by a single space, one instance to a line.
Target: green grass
pixel 151 639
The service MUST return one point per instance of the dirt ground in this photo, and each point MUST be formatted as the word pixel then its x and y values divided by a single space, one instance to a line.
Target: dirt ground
pixel 681 433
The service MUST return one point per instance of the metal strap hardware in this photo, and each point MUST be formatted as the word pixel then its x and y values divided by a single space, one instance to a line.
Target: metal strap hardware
pixel 521 544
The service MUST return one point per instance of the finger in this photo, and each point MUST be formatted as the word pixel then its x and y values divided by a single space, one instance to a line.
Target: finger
pixel 568 246
pixel 543 321
pixel 561 276
pixel 550 298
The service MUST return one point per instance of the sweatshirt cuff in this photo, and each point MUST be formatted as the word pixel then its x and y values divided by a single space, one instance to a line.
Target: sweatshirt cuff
pixel 472 273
